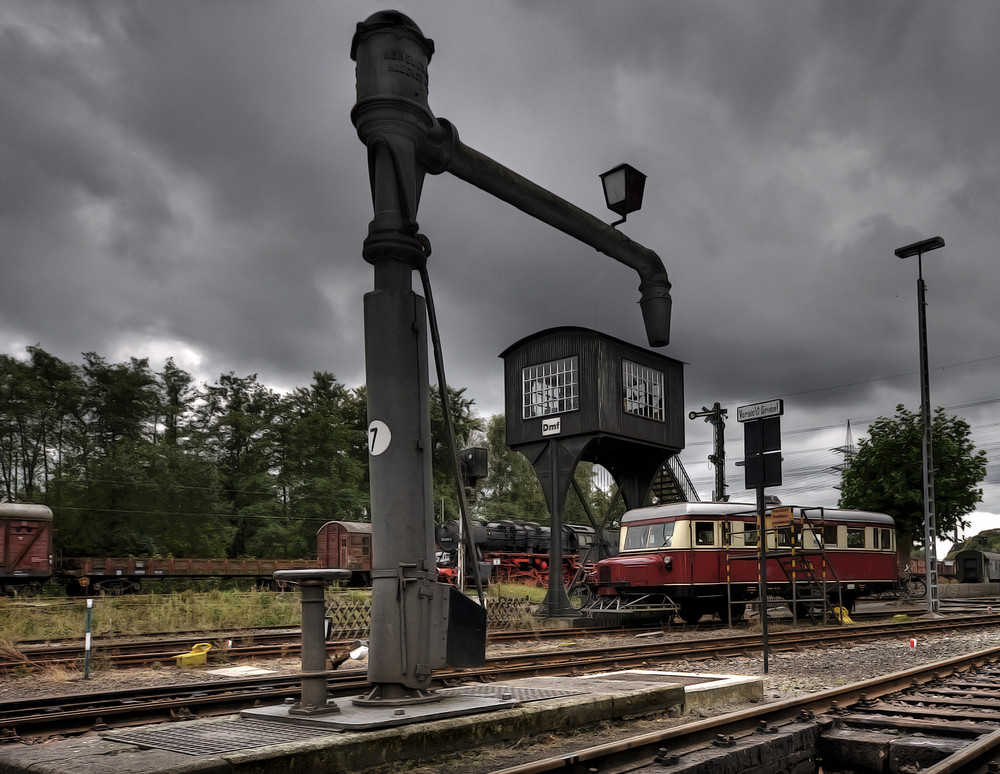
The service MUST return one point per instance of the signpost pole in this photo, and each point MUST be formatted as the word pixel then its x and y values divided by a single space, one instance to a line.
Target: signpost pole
pixel 762 468
pixel 762 590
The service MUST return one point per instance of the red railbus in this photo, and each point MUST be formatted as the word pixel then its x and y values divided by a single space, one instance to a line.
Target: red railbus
pixel 696 559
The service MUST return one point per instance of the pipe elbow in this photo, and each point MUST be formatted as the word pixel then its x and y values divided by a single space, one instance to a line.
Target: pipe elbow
pixel 438 146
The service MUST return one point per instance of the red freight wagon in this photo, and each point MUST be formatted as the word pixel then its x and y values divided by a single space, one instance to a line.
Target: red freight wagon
pixel 25 545
pixel 347 545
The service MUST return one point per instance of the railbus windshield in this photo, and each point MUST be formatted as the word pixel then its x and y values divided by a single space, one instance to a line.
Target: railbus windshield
pixel 649 536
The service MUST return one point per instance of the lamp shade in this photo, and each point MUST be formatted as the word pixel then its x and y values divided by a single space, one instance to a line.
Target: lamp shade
pixel 623 189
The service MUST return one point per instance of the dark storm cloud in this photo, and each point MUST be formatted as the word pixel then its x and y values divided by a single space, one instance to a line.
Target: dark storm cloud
pixel 183 178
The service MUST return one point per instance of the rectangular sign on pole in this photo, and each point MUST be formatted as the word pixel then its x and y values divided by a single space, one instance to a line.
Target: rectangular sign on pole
pixel 780 517
pixel 768 408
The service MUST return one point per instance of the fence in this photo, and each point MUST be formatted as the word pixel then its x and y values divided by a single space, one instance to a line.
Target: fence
pixel 351 617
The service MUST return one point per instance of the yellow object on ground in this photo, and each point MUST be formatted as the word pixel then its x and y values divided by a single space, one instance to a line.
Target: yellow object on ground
pixel 840 613
pixel 196 658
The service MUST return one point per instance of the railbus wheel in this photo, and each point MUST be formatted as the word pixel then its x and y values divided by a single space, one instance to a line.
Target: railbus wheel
pixel 691 612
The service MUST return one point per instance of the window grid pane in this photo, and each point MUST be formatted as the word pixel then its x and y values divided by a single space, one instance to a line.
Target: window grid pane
pixel 642 391
pixel 550 388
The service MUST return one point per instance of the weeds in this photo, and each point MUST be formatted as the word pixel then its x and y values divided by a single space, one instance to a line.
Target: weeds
pixel 177 612
pixel 188 610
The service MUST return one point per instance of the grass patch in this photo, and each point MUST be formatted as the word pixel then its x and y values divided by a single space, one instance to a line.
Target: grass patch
pixel 533 594
pixel 61 618
pixel 143 614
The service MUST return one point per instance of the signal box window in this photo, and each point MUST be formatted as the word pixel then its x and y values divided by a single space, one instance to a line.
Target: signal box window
pixel 829 535
pixel 855 537
pixel 642 393
pixel 649 536
pixel 550 388
pixel 704 533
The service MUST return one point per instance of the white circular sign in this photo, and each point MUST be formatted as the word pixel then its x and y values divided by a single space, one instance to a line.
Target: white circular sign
pixel 379 437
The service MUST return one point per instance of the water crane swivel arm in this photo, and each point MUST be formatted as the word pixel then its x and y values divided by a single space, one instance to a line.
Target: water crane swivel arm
pixel 405 141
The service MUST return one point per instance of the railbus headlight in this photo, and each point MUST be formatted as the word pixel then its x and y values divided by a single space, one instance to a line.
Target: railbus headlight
pixel 668 562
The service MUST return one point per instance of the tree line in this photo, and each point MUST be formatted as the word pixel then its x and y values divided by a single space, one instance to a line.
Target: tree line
pixel 135 461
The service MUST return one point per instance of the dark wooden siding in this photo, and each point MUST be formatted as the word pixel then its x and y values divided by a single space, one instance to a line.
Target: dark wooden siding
pixel 601 409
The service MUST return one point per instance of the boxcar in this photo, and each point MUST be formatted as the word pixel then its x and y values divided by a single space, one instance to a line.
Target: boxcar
pixel 974 566
pixel 694 559
pixel 347 545
pixel 25 545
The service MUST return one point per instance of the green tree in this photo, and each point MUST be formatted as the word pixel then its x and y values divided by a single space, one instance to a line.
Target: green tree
pixel 102 507
pixel 319 477
pixel 128 487
pixel 37 397
pixel 511 490
pixel 236 417
pixel 886 474
pixel 464 422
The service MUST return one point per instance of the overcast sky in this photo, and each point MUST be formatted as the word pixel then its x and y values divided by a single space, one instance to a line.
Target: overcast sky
pixel 183 179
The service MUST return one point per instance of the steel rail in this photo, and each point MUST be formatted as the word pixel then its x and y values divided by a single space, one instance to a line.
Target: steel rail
pixel 38 715
pixel 288 644
pixel 256 644
pixel 629 754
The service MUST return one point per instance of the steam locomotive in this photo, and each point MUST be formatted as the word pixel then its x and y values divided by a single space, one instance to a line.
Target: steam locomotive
pixel 507 551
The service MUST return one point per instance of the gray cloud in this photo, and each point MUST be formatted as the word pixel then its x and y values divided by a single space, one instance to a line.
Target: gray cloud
pixel 183 178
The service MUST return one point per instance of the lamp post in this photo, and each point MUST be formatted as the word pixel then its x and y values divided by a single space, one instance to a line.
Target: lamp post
pixel 930 549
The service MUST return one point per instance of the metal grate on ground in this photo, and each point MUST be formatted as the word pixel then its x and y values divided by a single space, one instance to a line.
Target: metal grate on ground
pixel 651 676
pixel 216 738
pixel 507 692
pixel 226 736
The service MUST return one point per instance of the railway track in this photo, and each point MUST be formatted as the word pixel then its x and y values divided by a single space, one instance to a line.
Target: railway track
pixel 945 716
pixel 236 646
pixel 77 713
pixel 152 649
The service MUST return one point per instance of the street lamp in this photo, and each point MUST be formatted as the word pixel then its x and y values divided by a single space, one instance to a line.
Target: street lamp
pixel 623 189
pixel 930 549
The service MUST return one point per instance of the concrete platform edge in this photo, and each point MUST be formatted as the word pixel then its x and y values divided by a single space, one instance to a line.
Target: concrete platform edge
pixel 350 751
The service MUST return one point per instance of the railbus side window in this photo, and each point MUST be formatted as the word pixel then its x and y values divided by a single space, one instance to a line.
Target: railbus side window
pixel 750 536
pixel 829 535
pixel 886 535
pixel 855 537
pixel 704 533
pixel 784 536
